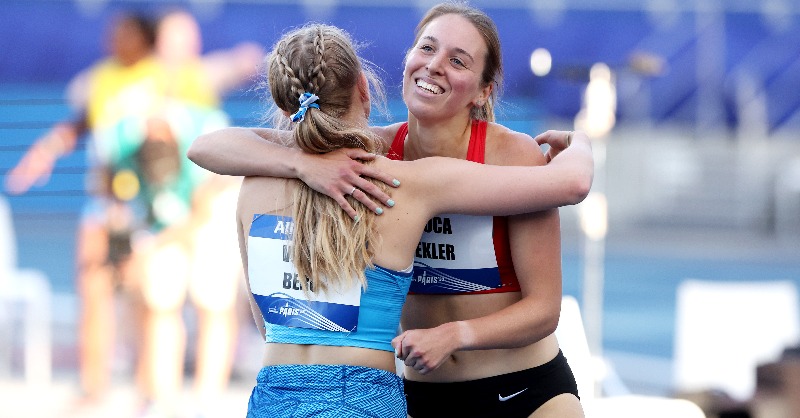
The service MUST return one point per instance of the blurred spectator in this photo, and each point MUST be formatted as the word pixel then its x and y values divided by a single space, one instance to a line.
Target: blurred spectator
pixel 117 85
pixel 184 213
pixel 139 111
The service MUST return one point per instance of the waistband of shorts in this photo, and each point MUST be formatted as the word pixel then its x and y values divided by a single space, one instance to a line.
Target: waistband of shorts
pixel 558 362
pixel 327 374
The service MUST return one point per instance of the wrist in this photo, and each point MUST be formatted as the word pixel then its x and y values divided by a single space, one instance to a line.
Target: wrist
pixel 297 163
pixel 465 335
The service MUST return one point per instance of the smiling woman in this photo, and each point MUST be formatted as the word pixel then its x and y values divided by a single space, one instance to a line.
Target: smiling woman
pixel 472 64
pixel 486 324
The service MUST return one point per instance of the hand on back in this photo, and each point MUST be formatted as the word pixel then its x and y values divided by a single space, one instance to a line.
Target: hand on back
pixel 343 172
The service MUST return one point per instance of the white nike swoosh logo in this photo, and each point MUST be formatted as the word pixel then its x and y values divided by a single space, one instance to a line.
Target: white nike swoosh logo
pixel 502 398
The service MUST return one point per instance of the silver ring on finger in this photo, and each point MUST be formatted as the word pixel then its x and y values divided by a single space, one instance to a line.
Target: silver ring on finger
pixel 352 191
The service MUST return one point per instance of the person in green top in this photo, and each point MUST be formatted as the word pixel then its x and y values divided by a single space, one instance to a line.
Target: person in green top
pixel 179 216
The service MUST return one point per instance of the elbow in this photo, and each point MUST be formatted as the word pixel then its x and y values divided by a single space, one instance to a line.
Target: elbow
pixel 546 325
pixel 551 323
pixel 580 187
pixel 203 156
pixel 207 152
pixel 196 151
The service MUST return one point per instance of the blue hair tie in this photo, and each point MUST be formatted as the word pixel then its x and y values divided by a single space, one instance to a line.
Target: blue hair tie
pixel 306 100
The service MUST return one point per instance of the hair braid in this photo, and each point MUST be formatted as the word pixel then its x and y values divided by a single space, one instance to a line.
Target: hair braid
pixel 284 68
pixel 296 85
pixel 316 77
pixel 328 247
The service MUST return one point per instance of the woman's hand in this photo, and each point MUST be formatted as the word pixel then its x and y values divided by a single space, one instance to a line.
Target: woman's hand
pixel 424 350
pixel 340 173
pixel 34 168
pixel 556 140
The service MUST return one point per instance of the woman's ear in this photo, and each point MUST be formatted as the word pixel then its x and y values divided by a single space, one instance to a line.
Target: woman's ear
pixel 484 95
pixel 363 92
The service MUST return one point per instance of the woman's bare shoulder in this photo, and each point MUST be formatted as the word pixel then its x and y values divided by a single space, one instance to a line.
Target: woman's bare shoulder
pixel 266 194
pixel 506 146
pixel 386 133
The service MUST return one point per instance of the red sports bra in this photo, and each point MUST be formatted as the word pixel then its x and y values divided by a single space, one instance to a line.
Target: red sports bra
pixel 455 255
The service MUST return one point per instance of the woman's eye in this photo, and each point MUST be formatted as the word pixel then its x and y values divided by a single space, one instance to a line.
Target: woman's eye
pixel 458 62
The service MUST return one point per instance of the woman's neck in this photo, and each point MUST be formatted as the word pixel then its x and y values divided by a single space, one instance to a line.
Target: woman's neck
pixel 133 59
pixel 449 138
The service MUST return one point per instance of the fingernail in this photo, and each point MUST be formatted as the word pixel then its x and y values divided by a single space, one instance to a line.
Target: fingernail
pixel 396 182
pixel 390 203
pixel 379 211
pixel 355 218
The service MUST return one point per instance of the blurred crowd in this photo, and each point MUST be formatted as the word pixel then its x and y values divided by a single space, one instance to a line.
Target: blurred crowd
pixel 157 230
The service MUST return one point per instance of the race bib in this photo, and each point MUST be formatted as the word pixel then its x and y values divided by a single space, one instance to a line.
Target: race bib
pixel 277 288
pixel 456 255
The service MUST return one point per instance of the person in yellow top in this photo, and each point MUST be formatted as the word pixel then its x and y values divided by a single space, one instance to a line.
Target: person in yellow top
pixel 138 96
pixel 189 250
pixel 117 90
pixel 99 96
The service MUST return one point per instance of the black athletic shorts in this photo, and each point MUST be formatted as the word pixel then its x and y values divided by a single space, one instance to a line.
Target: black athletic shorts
pixel 512 395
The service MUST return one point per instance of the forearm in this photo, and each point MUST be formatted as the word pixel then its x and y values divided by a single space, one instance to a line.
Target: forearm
pixel 242 152
pixel 578 170
pixel 535 245
pixel 575 167
pixel 518 325
pixel 476 189
pixel 61 139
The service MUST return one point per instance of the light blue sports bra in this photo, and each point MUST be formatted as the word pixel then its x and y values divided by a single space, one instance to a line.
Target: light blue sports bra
pixel 378 315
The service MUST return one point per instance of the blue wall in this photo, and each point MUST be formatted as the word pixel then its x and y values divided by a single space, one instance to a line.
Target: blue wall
pixel 49 41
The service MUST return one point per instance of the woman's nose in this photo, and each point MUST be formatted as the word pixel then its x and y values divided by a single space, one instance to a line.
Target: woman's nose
pixel 434 64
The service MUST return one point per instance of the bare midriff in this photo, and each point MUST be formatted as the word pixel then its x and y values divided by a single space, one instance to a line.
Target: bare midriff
pixel 277 354
pixel 428 311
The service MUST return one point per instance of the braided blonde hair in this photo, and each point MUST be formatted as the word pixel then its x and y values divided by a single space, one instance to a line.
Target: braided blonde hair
pixel 329 248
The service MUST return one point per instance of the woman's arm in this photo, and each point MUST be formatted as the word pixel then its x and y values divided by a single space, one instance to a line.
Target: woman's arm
pixel 536 251
pixel 37 163
pixel 246 152
pixel 259 152
pixel 535 245
pixel 447 185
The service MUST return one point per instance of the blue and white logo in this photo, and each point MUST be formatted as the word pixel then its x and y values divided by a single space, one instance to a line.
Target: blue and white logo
pixel 277 288
pixel 455 255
